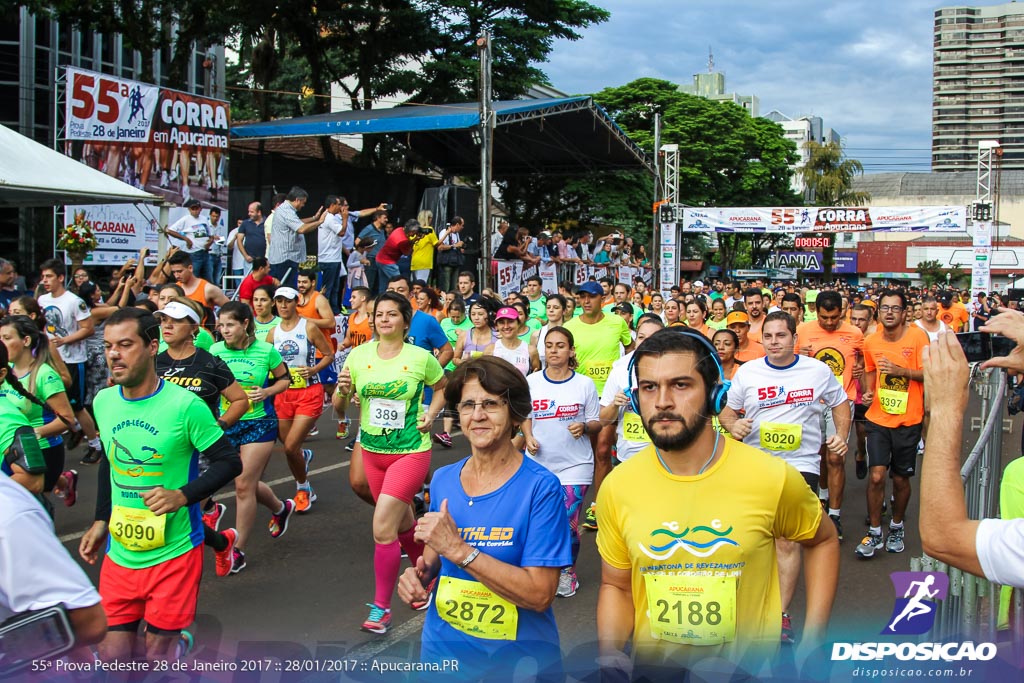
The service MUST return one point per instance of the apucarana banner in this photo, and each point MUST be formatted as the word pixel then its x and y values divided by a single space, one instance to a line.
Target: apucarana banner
pixel 826 219
pixel 171 143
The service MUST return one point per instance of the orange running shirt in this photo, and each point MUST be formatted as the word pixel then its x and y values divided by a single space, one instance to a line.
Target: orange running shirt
pixel 898 401
pixel 838 350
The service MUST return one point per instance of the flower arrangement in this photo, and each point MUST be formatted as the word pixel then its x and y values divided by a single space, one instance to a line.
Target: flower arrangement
pixel 77 236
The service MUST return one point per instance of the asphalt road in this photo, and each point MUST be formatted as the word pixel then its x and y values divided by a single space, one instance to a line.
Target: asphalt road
pixel 303 596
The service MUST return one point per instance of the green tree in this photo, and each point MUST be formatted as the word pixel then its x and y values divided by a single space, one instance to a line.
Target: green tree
pixel 828 176
pixel 932 273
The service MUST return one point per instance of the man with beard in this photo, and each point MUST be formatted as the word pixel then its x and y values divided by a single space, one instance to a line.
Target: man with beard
pixel 783 397
pixel 838 345
pixel 894 390
pixel 753 304
pixel 682 495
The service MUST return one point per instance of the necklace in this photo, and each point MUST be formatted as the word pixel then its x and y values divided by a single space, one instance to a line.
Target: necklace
pixel 490 481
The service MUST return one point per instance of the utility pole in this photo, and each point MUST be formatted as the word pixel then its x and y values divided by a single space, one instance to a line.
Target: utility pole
pixel 656 223
pixel 483 45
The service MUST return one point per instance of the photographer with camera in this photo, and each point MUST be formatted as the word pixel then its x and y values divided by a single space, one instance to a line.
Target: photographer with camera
pixel 450 253
pixel 993 548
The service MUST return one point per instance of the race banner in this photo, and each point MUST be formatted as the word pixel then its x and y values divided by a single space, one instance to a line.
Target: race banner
pixel 627 273
pixel 103 108
pixel 549 276
pixel 529 272
pixel 510 277
pixel 826 219
pixel 167 142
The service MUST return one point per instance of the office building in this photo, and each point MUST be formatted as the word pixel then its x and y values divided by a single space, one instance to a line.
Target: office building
pixel 802 130
pixel 978 85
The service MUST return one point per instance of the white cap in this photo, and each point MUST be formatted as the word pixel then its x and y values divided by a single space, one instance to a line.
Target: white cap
pixel 698 283
pixel 179 311
pixel 286 293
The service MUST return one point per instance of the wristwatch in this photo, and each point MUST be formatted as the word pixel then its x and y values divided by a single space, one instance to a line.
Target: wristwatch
pixel 469 558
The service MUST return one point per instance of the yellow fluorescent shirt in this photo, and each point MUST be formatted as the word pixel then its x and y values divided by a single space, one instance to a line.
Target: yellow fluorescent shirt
pixel 597 345
pixel 721 524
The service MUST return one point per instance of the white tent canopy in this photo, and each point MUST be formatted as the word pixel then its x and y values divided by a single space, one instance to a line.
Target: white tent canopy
pixel 34 175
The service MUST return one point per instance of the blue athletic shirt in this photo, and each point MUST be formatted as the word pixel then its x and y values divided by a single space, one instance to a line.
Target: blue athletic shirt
pixel 528 515
pixel 426 333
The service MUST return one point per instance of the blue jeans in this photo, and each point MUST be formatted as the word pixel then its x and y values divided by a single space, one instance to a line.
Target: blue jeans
pixel 278 270
pixel 385 271
pixel 202 265
pixel 331 273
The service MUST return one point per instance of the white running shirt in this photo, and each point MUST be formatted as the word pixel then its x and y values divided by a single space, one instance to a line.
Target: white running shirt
pixel 555 405
pixel 62 314
pixel 786 404
pixel 627 444
pixel 519 356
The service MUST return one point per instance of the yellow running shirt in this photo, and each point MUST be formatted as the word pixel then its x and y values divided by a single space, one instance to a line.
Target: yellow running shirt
pixel 701 550
pixel 597 346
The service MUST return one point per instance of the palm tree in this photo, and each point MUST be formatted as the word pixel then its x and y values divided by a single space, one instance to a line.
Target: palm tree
pixel 828 176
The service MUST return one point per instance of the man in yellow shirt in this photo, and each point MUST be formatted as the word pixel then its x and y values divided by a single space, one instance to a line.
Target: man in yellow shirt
pixel 688 571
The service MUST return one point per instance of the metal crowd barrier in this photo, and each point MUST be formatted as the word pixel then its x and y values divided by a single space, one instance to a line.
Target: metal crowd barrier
pixel 971 610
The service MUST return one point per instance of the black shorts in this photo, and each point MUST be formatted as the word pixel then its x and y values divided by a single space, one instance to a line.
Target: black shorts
pixel 76 393
pixel 812 480
pixel 894 448
pixel 860 412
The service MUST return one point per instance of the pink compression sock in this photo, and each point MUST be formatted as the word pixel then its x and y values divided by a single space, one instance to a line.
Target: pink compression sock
pixel 387 560
pixel 409 544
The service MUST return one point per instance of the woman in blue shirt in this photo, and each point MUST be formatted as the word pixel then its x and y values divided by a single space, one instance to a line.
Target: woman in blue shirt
pixel 491 586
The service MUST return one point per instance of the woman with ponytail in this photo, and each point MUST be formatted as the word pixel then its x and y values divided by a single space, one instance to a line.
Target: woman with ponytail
pixel 252 361
pixel 26 305
pixel 42 400
pixel 22 459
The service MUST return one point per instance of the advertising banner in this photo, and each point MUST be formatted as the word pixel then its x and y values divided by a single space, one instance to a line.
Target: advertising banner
pixel 170 143
pixel 826 219
pixel 844 262
pixel 549 277
pixel 510 277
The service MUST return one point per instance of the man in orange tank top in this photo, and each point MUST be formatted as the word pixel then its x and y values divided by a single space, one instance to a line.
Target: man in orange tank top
pixel 314 306
pixel 207 294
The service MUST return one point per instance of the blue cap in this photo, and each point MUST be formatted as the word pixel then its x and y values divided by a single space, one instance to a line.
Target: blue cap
pixel 590 287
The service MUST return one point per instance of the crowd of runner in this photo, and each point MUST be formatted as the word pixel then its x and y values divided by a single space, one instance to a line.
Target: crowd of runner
pixel 177 391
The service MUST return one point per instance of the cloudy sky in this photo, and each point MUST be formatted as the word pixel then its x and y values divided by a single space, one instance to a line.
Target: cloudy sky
pixel 865 66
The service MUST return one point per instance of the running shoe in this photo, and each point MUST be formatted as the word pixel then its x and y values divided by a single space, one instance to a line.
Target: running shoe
pixel 868 545
pixel 315 431
pixel 787 630
pixel 420 606
pixel 304 499
pixel 590 521
pixel 568 584
pixel 237 560
pixel 444 439
pixel 350 446
pixel 307 457
pixel 862 468
pixel 279 522
pixel 342 432
pixel 839 525
pixel 223 559
pixel 185 644
pixel 92 456
pixel 70 494
pixel 894 541
pixel 213 518
pixel 379 620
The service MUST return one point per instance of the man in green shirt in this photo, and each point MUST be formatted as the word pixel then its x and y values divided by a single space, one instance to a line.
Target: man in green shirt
pixel 149 493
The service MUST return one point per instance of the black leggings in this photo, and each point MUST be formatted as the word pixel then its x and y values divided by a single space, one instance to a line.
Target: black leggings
pixel 54 458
